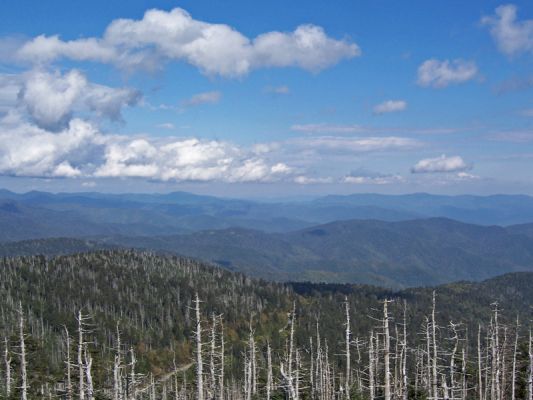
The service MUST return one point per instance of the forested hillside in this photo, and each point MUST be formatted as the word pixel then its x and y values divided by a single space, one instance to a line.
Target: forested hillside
pixel 392 254
pixel 134 304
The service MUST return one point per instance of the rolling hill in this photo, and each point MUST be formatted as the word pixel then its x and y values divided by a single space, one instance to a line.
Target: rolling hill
pixel 394 254
pixel 36 215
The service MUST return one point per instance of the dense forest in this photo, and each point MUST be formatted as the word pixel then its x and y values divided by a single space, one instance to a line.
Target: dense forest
pixel 119 324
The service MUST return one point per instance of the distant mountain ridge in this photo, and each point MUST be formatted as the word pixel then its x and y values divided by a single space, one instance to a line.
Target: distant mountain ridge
pixel 36 215
pixel 390 254
pixel 393 254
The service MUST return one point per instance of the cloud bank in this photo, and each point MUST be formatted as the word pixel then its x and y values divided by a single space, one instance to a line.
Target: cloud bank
pixel 215 49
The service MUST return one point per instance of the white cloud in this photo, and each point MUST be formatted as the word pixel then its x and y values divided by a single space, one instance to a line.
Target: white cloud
pixel 50 99
pixel 390 106
pixel 202 98
pixel 356 145
pixel 216 49
pixel 439 74
pixel 80 150
pixel 511 36
pixel 441 164
pixel 465 176
pixel 364 177
pixel 327 128
pixel 9 90
pixel 307 180
pixel 28 150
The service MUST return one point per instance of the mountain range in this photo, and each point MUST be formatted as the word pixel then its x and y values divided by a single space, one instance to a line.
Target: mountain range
pixel 375 239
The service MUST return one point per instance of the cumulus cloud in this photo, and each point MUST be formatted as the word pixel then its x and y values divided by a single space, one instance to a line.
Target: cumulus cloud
pixel 51 98
pixel 390 106
pixel 439 74
pixel 9 90
pixel 28 150
pixel 216 49
pixel 511 36
pixel 441 164
pixel 202 98
pixel 81 150
pixel 186 160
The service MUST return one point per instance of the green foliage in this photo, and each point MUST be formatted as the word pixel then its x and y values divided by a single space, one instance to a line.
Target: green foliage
pixel 150 297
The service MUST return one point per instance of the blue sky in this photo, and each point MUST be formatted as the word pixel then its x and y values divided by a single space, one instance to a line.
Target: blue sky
pixel 260 98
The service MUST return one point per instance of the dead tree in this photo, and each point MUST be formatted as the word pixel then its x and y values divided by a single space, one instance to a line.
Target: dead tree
pixel 434 360
pixel 23 362
pixel 269 372
pixel 515 351
pixel 222 361
pixel 386 351
pixel 68 362
pixel 199 360
pixel 348 334
pixel 7 365
pixel 88 374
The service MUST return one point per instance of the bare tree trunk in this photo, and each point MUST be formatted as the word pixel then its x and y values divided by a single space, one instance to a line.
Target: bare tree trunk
pixel 253 363
pixel 463 375
pixel 222 361
pixel 386 351
pixel 404 354
pixel 199 361
pixel 497 362
pixel 503 383
pixel 515 350
pixel 455 338
pixel 212 378
pixel 291 340
pixel 81 372
pixel 269 372
pixel 348 334
pixel 23 364
pixel 117 376
pixel 68 386
pixel 429 379
pixel 88 373
pixel 311 367
pixel 371 368
pixel 133 378
pixel 530 373
pixel 435 354
pixel 479 365
pixel 7 364
pixel 288 383
pixel 297 375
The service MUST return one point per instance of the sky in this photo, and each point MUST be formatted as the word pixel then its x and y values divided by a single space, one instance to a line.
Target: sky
pixel 267 99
